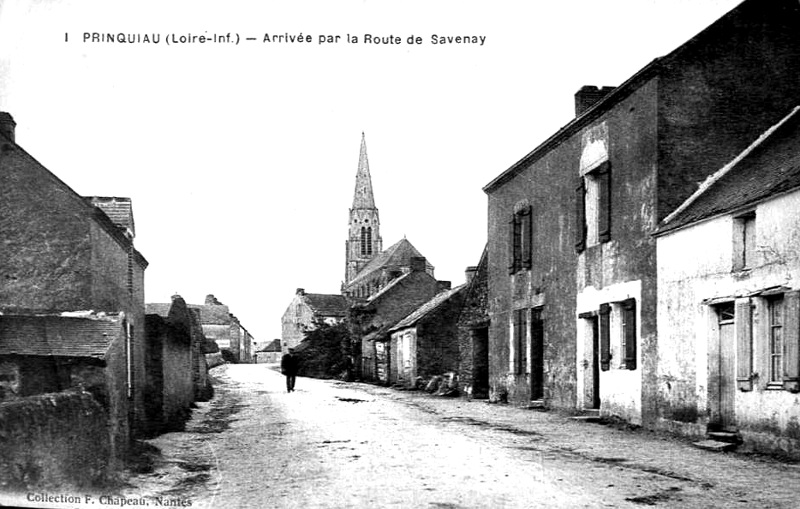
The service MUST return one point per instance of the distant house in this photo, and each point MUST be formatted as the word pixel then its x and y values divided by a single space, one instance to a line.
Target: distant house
pixel 52 353
pixel 573 293
pixel 223 328
pixel 270 353
pixel 473 332
pixel 305 310
pixel 60 252
pixel 729 298
pixel 425 343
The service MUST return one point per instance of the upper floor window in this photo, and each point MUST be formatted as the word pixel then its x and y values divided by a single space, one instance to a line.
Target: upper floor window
pixel 593 202
pixel 520 238
pixel 744 241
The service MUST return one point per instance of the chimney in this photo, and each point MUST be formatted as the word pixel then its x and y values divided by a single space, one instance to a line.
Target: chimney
pixel 300 291
pixel 587 96
pixel 212 301
pixel 418 263
pixel 7 125
pixel 469 273
pixel 442 286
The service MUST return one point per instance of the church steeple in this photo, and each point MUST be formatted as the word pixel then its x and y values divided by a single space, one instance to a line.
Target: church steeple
pixel 364 240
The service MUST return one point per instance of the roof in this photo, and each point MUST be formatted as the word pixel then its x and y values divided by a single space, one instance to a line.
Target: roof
pixel 213 314
pixel 273 346
pixel 160 309
pixel 617 95
pixel 119 210
pixel 386 289
pixel 427 308
pixel 57 336
pixel 398 255
pixel 769 166
pixel 327 305
pixel 363 197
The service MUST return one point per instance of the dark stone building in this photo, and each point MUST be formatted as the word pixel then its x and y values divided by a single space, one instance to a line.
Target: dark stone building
pixel 473 332
pixel 572 278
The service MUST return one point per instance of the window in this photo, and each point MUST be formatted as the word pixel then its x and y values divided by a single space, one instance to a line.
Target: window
pixel 625 316
pixel 593 208
pixel 775 338
pixel 520 237
pixel 520 341
pixel 628 309
pixel 744 241
pixel 366 241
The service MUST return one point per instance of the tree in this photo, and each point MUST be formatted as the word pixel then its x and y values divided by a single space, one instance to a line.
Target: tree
pixel 322 352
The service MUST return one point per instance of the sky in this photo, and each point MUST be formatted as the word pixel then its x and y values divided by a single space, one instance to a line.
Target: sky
pixel 240 158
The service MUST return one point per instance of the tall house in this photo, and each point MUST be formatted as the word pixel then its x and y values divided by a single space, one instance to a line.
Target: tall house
pixel 364 241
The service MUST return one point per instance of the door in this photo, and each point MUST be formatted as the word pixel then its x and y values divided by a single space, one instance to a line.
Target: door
pixel 537 355
pixel 727 366
pixel 480 363
pixel 594 384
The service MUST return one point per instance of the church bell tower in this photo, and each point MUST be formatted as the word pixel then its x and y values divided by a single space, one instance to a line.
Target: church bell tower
pixel 364 240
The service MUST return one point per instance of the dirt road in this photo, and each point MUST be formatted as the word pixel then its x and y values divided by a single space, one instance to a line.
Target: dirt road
pixel 331 444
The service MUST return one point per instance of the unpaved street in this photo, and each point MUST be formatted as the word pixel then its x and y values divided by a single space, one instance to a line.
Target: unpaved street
pixel 331 444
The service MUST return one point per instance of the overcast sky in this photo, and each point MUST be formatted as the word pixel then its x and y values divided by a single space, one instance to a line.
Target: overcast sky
pixel 241 158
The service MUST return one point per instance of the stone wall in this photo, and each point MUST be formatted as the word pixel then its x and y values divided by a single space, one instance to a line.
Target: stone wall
pixel 53 440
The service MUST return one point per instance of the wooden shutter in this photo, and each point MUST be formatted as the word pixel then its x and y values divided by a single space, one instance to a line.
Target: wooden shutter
pixel 580 216
pixel 605 337
pixel 744 344
pixel 791 338
pixel 629 332
pixel 604 203
pixel 526 238
pixel 512 266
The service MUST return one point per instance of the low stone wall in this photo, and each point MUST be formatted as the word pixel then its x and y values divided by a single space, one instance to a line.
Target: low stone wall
pixel 54 440
pixel 214 359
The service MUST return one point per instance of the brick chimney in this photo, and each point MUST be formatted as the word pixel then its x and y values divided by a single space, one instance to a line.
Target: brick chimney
pixel 442 286
pixel 469 273
pixel 418 263
pixel 587 96
pixel 212 301
pixel 7 125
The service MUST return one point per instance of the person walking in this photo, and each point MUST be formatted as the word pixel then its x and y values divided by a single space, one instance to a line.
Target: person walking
pixel 289 369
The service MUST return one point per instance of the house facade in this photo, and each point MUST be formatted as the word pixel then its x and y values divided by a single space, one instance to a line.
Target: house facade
pixel 63 253
pixel 304 311
pixel 729 305
pixel 473 332
pixel 223 328
pixel 425 343
pixel 572 288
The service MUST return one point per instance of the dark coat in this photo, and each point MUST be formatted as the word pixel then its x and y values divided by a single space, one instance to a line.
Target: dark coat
pixel 289 364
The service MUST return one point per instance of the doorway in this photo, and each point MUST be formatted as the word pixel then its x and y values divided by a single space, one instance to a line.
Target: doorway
pixel 480 362
pixel 537 355
pixel 726 366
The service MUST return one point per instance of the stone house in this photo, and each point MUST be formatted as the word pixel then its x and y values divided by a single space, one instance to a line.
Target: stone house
pixel 729 299
pixel 473 332
pixel 177 373
pixel 60 252
pixel 270 354
pixel 53 353
pixel 425 343
pixel 305 310
pixel 370 319
pixel 223 328
pixel 572 279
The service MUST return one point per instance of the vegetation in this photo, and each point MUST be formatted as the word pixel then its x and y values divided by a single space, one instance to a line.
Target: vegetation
pixel 324 351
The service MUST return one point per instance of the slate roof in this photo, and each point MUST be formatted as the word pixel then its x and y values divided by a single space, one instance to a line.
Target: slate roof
pixel 769 166
pixel 398 255
pixel 274 346
pixel 327 305
pixel 427 308
pixel 363 197
pixel 213 315
pixel 119 210
pixel 160 309
pixel 57 336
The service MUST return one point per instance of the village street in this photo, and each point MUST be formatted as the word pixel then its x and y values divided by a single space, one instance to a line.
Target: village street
pixel 332 444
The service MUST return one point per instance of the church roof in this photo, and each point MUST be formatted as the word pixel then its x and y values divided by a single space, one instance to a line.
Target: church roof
pixel 398 255
pixel 363 197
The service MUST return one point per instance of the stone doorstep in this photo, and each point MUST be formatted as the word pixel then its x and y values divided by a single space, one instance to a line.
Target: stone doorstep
pixel 536 405
pixel 715 445
pixel 725 436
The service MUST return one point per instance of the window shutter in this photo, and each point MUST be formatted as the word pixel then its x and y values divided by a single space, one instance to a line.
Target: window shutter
pixel 744 344
pixel 580 216
pixel 604 204
pixel 523 341
pixel 512 267
pixel 605 336
pixel 629 331
pixel 791 359
pixel 517 333
pixel 526 234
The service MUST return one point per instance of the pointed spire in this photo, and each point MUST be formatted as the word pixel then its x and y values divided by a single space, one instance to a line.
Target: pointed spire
pixel 363 198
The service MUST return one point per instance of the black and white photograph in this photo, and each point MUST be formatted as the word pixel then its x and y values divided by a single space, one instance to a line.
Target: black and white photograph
pixel 371 254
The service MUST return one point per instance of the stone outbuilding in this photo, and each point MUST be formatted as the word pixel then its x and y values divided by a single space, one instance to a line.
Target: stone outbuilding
pixel 425 343
pixel 307 309
pixel 473 332
pixel 729 299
